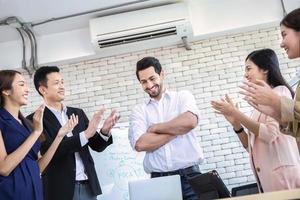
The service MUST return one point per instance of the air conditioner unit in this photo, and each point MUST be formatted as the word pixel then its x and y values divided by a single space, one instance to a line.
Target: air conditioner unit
pixel 141 29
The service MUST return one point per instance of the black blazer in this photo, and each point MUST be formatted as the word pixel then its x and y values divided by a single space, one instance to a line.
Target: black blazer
pixel 59 176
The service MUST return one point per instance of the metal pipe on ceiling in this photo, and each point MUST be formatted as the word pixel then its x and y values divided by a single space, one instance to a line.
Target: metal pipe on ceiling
pixel 33 45
pixel 88 12
pixel 283 8
pixel 24 66
pixel 27 29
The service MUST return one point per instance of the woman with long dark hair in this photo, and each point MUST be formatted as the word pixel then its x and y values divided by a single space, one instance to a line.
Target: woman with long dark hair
pixel 274 157
pixel 286 111
pixel 20 162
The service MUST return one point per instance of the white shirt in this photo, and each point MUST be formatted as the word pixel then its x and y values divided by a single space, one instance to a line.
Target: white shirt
pixel 62 117
pixel 181 152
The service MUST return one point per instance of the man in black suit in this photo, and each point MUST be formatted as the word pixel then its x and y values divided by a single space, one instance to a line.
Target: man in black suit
pixel 71 174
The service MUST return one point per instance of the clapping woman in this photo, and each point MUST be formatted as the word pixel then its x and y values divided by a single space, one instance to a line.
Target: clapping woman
pixel 20 161
pixel 274 156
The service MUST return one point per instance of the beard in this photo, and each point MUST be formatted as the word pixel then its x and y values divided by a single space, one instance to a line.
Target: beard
pixel 156 92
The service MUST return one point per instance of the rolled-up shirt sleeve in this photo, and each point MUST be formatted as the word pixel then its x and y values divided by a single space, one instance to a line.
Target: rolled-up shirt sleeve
pixel 188 103
pixel 137 125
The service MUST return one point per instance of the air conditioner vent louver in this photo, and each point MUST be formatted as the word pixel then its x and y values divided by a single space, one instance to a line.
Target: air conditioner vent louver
pixel 142 29
pixel 137 37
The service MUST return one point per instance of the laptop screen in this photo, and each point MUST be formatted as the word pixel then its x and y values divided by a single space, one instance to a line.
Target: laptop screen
pixel 160 188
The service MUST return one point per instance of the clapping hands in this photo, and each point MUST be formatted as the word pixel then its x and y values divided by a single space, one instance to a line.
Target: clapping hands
pixel 94 123
pixel 69 126
pixel 38 120
pixel 110 121
pixel 227 108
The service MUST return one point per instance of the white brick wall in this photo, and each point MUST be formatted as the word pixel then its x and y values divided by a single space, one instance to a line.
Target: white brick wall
pixel 211 69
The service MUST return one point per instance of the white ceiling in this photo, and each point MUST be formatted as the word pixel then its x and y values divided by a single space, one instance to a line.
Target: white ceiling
pixel 209 18
pixel 39 10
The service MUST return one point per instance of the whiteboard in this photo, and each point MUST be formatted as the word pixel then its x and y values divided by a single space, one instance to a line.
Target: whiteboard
pixel 118 164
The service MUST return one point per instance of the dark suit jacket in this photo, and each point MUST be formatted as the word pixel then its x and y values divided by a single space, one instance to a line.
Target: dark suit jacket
pixel 59 176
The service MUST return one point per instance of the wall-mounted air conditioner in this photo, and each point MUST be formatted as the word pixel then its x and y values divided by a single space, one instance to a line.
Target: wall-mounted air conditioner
pixel 141 29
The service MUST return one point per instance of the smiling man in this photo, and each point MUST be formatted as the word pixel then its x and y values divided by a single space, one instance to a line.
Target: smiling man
pixel 71 174
pixel 163 127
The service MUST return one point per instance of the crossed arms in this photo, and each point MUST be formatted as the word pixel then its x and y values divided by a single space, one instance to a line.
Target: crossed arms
pixel 161 133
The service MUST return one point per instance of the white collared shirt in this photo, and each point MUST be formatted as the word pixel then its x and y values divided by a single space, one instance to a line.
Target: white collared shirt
pixel 62 117
pixel 181 152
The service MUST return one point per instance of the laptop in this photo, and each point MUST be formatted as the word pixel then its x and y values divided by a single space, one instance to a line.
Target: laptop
pixel 160 188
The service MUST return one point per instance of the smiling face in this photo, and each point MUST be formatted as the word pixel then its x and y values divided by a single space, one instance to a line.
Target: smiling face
pixel 290 42
pixel 18 94
pixel 54 91
pixel 151 82
pixel 253 72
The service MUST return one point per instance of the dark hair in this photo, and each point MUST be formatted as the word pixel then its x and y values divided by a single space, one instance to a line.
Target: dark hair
pixel 267 60
pixel 292 20
pixel 146 63
pixel 6 80
pixel 40 76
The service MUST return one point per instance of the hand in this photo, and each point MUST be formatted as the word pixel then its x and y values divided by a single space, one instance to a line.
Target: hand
pixel 226 107
pixel 38 120
pixel 232 120
pixel 267 110
pixel 110 121
pixel 69 126
pixel 94 123
pixel 259 92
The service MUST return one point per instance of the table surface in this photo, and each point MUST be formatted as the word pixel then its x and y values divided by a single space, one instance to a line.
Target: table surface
pixel 279 195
